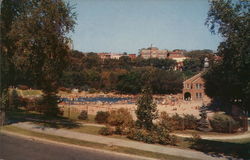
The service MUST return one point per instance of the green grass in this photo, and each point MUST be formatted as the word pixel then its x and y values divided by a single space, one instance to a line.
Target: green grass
pixel 241 141
pixel 87 129
pixel 92 144
pixel 73 114
pixel 190 132
pixel 31 92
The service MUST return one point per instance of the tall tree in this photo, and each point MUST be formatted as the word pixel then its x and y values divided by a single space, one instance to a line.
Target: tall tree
pixel 146 110
pixel 229 80
pixel 40 34
pixel 10 10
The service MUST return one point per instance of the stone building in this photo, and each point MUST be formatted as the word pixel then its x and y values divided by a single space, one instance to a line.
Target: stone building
pixel 193 88
pixel 153 52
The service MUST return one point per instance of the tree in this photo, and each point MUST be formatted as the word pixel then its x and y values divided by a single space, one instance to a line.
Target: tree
pixel 146 110
pixel 166 82
pixel 41 43
pixel 230 77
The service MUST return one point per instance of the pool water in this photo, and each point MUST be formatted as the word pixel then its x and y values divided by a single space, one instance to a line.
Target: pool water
pixel 95 99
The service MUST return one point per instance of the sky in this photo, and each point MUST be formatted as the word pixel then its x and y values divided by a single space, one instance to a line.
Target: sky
pixel 119 26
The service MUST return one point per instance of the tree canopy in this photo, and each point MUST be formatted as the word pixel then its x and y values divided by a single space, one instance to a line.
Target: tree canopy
pixel 229 79
pixel 35 41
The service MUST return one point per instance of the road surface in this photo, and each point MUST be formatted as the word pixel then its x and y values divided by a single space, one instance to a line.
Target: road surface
pixel 16 148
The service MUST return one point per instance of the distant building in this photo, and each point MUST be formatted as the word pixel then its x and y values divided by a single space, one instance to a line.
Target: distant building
pixel 132 56
pixel 194 89
pixel 104 55
pixel 153 52
pixel 117 55
pixel 178 57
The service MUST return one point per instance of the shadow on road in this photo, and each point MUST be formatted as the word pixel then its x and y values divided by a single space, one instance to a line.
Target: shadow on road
pixel 19 115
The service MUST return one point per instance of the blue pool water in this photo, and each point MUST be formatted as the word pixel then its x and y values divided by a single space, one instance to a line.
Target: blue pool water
pixel 95 99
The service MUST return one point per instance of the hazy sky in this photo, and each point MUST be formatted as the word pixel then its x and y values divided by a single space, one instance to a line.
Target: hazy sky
pixel 128 25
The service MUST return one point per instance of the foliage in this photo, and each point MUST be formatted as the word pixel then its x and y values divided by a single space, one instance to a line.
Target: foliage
pixel 224 123
pixel 14 99
pixel 190 121
pixel 83 115
pixel 102 117
pixel 129 83
pixel 123 75
pixel 146 110
pixel 159 135
pixel 176 122
pixel 4 100
pixel 229 80
pixel 166 82
pixel 106 131
pixel 48 105
pixel 122 119
pixel 165 121
pixel 203 123
pixel 38 43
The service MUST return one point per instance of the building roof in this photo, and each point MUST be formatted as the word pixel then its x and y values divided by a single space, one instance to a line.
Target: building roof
pixel 194 78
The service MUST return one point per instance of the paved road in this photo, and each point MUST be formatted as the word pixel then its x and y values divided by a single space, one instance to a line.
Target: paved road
pixel 16 148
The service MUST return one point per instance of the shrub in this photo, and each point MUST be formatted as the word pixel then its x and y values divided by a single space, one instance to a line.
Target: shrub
pixel 190 121
pixel 164 137
pixel 165 121
pixel 14 99
pixel 106 131
pixel 122 119
pixel 159 135
pixel 177 122
pixel 224 123
pixel 83 115
pixel 142 135
pixel 102 117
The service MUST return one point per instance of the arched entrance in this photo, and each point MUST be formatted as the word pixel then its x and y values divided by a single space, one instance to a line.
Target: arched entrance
pixel 187 96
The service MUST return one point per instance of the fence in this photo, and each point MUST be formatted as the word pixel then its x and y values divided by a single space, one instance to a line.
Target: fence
pixel 74 111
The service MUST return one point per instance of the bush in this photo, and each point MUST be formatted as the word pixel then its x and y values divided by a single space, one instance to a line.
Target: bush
pixel 83 115
pixel 105 131
pixel 177 122
pixel 160 135
pixel 102 117
pixel 164 137
pixel 190 121
pixel 142 135
pixel 165 121
pixel 14 99
pixel 122 119
pixel 224 123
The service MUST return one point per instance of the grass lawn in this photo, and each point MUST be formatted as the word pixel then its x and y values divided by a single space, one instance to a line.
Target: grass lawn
pixel 92 144
pixel 190 132
pixel 72 114
pixel 28 92
pixel 87 129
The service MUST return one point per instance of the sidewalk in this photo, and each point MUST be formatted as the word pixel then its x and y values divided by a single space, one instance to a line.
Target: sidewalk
pixel 117 142
pixel 218 137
